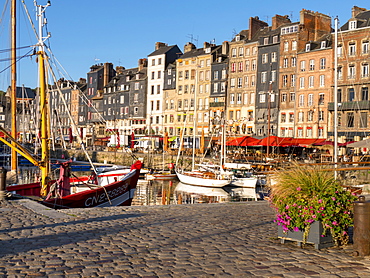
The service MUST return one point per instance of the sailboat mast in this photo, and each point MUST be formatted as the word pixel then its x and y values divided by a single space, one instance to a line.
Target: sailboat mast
pixel 14 162
pixel 45 167
pixel 336 96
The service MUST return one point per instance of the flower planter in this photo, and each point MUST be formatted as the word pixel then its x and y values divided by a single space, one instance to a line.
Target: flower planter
pixel 314 236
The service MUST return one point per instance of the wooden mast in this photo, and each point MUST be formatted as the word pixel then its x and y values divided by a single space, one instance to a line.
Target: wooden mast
pixel 13 86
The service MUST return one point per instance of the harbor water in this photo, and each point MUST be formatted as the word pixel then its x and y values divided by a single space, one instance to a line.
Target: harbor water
pixel 167 192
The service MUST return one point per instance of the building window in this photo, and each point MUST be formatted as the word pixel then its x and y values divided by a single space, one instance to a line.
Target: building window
pixel 286 46
pixel 351 94
pixel 247 65
pixel 301 101
pixel 264 58
pixel 275 39
pixel 352 49
pixel 262 98
pixel 312 64
pixel 351 72
pixel 340 50
pixel 301 82
pixel 321 115
pixel 364 93
pixel 363 119
pixel 352 25
pixel 240 66
pixel 350 119
pixel 292 80
pixel 322 63
pixel 294 62
pixel 291 97
pixel 285 63
pixel 310 100
pixel 263 77
pixel 232 98
pixel 273 75
pixel 241 51
pixel 285 80
pixel 233 52
pixel 215 75
pixel 291 117
pixel 311 81
pixel 300 116
pixel 282 117
pixel 322 80
pixel 239 99
pixel 294 45
pixel 365 70
pixel 273 57
pixel 321 98
pixel 303 65
pixel 310 116
pixel 240 82
pixel 365 47
pixel 265 41
pixel 254 65
pixel 283 97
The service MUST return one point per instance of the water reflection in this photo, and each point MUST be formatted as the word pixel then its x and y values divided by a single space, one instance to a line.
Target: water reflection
pixel 174 192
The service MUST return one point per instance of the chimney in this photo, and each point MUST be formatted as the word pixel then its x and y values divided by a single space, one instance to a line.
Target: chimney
pixel 279 20
pixel 119 70
pixel 158 45
pixel 225 48
pixel 108 73
pixel 356 10
pixel 255 24
pixel 82 80
pixel 143 63
pixel 206 45
pixel 189 47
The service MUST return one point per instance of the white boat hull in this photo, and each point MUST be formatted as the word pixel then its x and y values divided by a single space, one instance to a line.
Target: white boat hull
pixel 245 182
pixel 201 181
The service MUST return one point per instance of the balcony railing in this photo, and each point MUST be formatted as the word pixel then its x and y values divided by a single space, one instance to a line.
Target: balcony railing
pixel 217 104
pixel 351 105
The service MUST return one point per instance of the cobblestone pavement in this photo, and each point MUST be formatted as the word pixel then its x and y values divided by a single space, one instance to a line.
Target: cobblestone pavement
pixel 202 240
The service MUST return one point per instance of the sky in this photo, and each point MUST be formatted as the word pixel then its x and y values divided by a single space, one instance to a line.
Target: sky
pixel 87 32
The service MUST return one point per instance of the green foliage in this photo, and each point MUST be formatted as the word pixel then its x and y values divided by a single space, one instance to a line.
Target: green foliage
pixel 304 194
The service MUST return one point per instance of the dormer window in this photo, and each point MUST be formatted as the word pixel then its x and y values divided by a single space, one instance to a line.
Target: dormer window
pixel 127 78
pixel 207 50
pixel 237 38
pixel 352 24
pixel 265 41
pixel 323 44
pixel 308 47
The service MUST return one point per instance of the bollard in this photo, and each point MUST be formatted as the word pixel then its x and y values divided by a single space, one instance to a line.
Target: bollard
pixel 2 183
pixel 361 229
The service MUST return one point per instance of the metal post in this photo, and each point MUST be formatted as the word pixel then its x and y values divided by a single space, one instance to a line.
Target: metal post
pixel 361 231
pixel 2 183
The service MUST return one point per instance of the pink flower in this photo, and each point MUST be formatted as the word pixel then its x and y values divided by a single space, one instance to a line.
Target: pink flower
pixel 320 201
pixel 299 189
pixel 287 207
pixel 296 229
pixel 335 223
pixel 333 198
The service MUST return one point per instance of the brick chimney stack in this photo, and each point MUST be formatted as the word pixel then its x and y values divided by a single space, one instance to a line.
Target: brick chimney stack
pixel 189 47
pixel 255 24
pixel 356 10
pixel 158 45
pixel 279 20
pixel 143 63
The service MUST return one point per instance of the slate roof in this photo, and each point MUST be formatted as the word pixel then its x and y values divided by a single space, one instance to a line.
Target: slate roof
pixel 162 50
pixel 28 93
pixel 363 20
